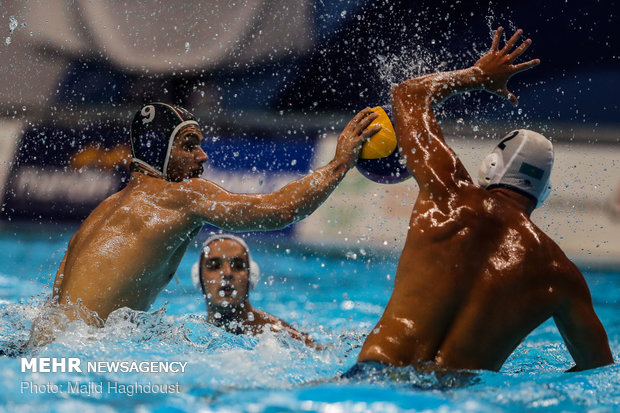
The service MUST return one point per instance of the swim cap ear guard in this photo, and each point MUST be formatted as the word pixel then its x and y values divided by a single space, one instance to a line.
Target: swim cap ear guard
pixel 522 162
pixel 254 269
pixel 489 168
pixel 153 130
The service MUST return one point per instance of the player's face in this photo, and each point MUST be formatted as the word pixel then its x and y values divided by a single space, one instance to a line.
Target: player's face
pixel 225 273
pixel 187 156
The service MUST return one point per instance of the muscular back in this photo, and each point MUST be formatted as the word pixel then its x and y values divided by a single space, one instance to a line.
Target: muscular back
pixel 127 249
pixel 475 277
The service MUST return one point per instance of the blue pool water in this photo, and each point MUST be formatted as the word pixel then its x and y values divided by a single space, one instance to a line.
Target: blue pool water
pixel 336 295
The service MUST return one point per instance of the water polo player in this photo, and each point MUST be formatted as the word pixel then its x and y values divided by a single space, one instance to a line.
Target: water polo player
pixel 476 275
pixel 129 247
pixel 226 273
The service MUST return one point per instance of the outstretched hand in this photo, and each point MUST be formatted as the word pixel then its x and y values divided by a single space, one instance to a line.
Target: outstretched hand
pixel 354 135
pixel 497 64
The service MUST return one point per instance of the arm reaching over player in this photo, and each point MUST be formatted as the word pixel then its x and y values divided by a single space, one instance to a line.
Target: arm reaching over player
pixel 296 200
pixel 127 250
pixel 429 158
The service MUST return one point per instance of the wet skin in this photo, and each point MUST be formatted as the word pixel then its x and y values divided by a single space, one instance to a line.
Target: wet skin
pixel 129 247
pixel 225 277
pixel 475 275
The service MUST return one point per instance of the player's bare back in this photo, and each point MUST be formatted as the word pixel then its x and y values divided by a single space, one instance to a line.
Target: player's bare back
pixel 476 275
pixel 463 289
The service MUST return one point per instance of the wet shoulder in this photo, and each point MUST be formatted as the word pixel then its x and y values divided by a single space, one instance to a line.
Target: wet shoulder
pixel 442 217
pixel 158 193
pixel 525 251
pixel 141 206
pixel 565 272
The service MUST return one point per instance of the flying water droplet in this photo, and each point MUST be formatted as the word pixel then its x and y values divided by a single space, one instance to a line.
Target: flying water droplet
pixel 351 255
pixel 12 23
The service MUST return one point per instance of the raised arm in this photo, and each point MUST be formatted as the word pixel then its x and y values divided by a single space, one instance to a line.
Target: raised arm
pixel 295 201
pixel 429 158
pixel 581 329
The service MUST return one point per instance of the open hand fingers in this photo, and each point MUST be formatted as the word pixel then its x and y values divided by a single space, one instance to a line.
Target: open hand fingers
pixel 370 131
pixel 506 94
pixel 526 65
pixel 366 121
pixel 513 99
pixel 511 42
pixel 353 123
pixel 519 50
pixel 360 121
pixel 496 38
pixel 362 113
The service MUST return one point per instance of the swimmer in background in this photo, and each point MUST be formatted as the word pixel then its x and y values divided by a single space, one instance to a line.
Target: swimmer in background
pixel 128 249
pixel 226 273
pixel 476 275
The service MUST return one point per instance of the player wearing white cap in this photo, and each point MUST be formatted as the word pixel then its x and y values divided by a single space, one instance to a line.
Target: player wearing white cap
pixel 226 273
pixel 476 275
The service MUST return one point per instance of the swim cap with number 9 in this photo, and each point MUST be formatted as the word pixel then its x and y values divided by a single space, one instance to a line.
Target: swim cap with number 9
pixel 153 130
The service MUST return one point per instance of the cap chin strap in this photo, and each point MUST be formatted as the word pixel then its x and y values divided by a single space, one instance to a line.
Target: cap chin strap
pixel 545 194
pixel 148 167
pixel 489 169
pixel 173 135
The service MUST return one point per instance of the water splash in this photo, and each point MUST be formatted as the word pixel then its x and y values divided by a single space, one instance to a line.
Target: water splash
pixel 13 23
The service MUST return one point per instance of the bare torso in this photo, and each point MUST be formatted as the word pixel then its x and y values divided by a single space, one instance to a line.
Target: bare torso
pixel 130 246
pixel 127 250
pixel 475 275
pixel 473 280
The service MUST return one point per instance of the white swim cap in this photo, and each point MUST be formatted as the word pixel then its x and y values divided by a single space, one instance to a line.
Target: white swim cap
pixel 254 274
pixel 522 161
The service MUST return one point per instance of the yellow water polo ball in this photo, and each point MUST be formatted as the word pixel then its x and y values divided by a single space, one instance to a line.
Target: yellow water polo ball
pixel 380 159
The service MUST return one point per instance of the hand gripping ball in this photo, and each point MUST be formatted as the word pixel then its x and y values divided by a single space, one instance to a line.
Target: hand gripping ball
pixel 380 159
